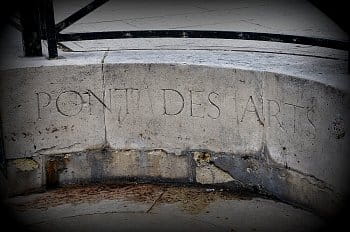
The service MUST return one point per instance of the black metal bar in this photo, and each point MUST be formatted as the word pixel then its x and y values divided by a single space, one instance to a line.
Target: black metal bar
pixel 42 19
pixel 51 33
pixel 30 23
pixel 79 14
pixel 329 43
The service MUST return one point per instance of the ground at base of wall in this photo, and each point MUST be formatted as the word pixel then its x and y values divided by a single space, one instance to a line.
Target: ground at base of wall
pixel 149 207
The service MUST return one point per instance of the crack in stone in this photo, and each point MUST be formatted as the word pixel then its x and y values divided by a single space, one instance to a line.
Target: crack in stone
pixel 58 148
pixel 45 149
pixel 103 96
pixel 155 201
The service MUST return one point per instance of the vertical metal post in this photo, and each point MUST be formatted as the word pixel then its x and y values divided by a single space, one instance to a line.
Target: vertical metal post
pixel 30 21
pixel 42 19
pixel 49 27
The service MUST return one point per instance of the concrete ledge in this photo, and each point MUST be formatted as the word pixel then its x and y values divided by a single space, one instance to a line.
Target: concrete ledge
pixel 280 134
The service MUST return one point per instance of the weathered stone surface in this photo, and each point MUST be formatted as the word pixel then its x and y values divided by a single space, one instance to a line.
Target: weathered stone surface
pixel 154 163
pixel 207 173
pixel 107 121
pixel 145 207
pixel 25 175
pixel 50 110
pixel 261 174
pixel 25 164
pixel 307 127
pixel 178 107
pixel 92 166
pixel 175 107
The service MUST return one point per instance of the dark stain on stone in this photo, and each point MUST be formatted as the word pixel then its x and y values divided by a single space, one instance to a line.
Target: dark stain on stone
pixel 337 128
pixel 259 174
pixel 253 173
pixel 52 178
pixel 54 166
pixel 97 167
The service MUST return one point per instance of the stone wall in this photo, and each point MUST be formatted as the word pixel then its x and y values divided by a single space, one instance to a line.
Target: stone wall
pixel 276 134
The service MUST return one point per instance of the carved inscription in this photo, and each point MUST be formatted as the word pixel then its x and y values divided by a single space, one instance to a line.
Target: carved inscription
pixel 69 103
pixel 197 104
pixel 175 94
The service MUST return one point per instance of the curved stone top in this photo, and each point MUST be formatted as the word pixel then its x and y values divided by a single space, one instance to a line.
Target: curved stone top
pixel 328 66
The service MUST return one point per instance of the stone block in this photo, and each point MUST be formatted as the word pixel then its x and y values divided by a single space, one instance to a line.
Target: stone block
pixel 206 172
pixel 175 107
pixel 307 127
pixel 50 110
pixel 105 166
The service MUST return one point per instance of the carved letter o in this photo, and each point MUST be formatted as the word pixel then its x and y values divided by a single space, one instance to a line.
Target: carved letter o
pixel 68 112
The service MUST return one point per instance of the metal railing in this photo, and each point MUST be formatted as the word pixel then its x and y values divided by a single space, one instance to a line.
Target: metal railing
pixel 38 22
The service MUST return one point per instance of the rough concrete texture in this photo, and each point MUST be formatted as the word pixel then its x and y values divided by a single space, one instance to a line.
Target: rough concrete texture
pixel 299 124
pixel 97 166
pixel 143 207
pixel 228 110
pixel 25 175
pixel 261 174
pixel 207 173
pixel 46 110
pixel 196 105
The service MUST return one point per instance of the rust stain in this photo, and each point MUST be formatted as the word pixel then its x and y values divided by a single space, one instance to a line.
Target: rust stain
pixel 53 168
pixel 52 173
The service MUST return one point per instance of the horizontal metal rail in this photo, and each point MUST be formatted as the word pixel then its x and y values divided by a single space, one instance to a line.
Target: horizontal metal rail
pixel 321 42
pixel 79 14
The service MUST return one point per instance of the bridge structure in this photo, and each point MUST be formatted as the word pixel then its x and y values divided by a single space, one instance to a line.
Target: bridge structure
pixel 248 97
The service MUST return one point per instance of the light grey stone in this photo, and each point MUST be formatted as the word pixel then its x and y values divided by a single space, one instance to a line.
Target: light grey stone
pixel 306 127
pixel 50 110
pixel 148 116
pixel 175 107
